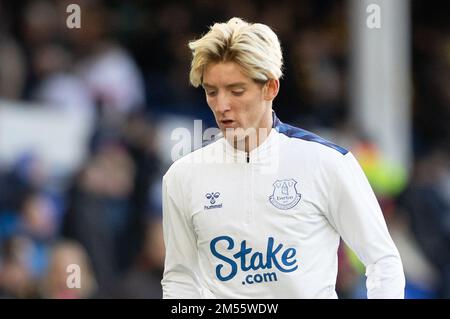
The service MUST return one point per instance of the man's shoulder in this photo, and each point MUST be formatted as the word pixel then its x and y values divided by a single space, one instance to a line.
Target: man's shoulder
pixel 309 141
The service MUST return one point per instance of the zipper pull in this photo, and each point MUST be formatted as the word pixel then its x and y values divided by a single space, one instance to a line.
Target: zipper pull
pixel 248 158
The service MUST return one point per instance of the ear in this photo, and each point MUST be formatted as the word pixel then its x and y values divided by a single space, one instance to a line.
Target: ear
pixel 271 89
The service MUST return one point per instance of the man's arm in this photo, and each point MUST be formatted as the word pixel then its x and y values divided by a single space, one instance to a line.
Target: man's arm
pixel 180 278
pixel 357 216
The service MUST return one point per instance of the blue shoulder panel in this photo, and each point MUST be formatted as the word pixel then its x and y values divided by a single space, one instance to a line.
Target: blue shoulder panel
pixel 295 132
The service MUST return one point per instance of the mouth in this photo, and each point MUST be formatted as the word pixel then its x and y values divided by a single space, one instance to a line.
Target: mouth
pixel 227 123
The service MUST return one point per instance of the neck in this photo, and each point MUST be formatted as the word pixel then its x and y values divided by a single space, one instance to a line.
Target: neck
pixel 254 136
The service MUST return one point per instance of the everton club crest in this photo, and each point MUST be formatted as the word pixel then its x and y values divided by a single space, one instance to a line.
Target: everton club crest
pixel 285 194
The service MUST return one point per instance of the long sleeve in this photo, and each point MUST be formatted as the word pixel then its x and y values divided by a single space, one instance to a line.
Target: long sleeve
pixel 356 215
pixel 180 279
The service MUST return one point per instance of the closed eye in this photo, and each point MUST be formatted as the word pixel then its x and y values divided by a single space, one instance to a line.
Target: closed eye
pixel 237 93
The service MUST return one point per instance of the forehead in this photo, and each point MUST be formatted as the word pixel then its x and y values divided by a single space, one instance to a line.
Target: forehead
pixel 224 73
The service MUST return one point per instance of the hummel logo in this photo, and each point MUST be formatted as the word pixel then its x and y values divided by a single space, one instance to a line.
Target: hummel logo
pixel 212 199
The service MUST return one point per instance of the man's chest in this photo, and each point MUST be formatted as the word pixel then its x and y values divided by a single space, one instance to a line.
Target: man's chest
pixel 245 202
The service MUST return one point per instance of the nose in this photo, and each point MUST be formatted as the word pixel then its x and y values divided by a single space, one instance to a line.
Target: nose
pixel 222 103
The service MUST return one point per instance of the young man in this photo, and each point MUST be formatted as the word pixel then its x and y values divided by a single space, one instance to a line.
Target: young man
pixel 259 213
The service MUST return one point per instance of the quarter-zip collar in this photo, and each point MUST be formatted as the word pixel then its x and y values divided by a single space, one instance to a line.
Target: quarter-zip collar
pixel 262 153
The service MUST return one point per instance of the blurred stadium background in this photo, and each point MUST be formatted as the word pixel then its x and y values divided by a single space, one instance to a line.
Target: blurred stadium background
pixel 86 116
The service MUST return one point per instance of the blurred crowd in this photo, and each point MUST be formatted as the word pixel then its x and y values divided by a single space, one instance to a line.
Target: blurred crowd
pixel 126 69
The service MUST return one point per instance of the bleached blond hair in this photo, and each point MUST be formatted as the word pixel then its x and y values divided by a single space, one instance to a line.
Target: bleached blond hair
pixel 253 46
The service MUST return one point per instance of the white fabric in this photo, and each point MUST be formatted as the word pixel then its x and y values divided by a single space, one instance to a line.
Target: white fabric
pixel 290 252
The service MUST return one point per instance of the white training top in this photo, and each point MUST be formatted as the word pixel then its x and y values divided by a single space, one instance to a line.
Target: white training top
pixel 268 225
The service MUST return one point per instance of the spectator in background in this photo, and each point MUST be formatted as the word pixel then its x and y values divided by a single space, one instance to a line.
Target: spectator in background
pixel 58 86
pixel 12 68
pixel 24 175
pixel 16 278
pixel 12 59
pixel 319 78
pixel 38 26
pixel 99 210
pixel 39 223
pixel 54 283
pixel 431 112
pixel 143 280
pixel 139 138
pixel 107 68
pixel 426 203
pixel 27 234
